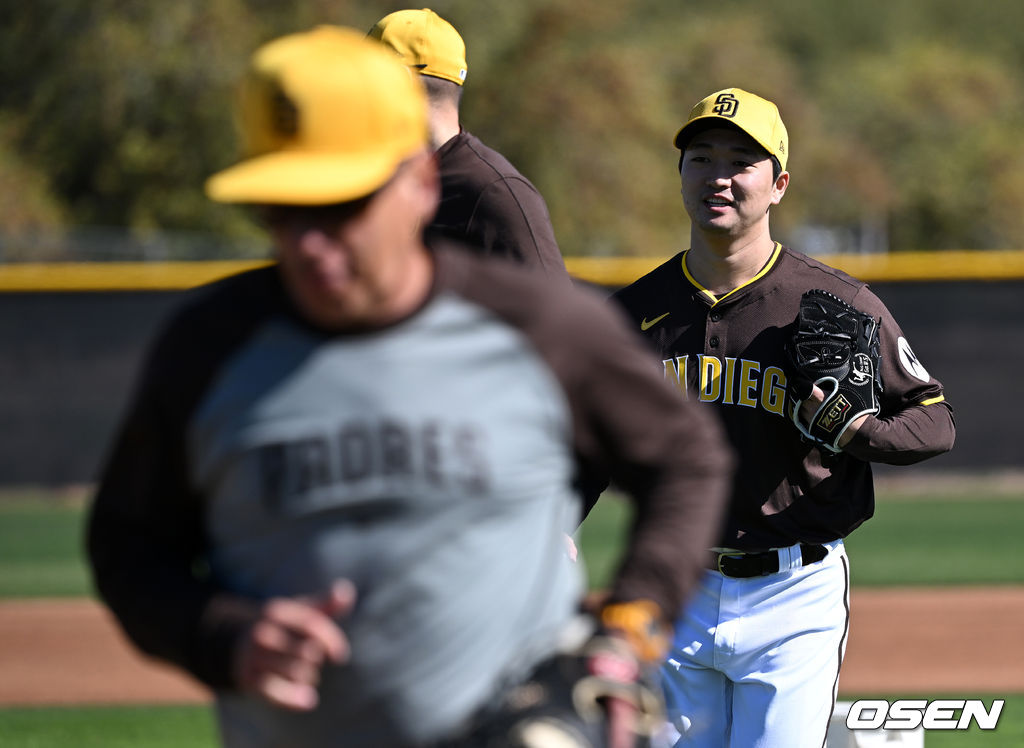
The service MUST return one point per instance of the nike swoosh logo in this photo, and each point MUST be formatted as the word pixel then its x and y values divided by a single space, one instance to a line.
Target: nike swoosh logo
pixel 645 325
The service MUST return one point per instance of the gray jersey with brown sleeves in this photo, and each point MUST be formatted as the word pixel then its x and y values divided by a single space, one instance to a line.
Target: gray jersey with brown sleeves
pixel 434 462
pixel 727 352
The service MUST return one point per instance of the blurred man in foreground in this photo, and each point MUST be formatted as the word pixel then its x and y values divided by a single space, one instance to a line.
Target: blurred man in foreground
pixel 340 492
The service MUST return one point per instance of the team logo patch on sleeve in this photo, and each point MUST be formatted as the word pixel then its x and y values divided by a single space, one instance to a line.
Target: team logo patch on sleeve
pixel 910 361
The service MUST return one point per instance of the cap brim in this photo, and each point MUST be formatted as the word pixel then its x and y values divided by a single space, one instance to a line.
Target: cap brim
pixel 302 178
pixel 709 122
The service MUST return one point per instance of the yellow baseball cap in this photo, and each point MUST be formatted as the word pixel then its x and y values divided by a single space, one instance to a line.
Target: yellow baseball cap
pixel 425 42
pixel 757 117
pixel 326 116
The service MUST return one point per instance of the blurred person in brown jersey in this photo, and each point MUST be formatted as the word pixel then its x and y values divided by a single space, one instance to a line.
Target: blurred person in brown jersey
pixel 485 201
pixel 339 494
pixel 757 653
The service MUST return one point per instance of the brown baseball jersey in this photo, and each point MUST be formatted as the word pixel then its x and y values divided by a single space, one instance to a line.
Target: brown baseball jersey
pixel 728 352
pixel 487 204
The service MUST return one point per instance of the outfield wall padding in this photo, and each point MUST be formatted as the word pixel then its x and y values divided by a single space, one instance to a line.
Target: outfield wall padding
pixel 69 359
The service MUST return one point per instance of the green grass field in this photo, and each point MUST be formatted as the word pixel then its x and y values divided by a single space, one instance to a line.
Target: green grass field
pixel 41 547
pixel 108 727
pixel 951 540
pixel 936 538
pixel 193 726
pixel 942 539
pixel 913 539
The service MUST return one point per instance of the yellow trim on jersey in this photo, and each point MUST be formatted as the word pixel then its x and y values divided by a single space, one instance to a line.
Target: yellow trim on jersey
pixel 715 299
pixel 933 400
pixel 693 281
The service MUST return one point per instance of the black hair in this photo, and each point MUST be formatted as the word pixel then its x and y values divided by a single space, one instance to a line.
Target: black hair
pixel 442 89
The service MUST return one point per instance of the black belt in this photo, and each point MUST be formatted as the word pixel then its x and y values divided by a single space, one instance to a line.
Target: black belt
pixel 746 565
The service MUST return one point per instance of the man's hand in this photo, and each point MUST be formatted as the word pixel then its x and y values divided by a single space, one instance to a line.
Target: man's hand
pixel 639 625
pixel 570 547
pixel 810 406
pixel 281 656
pixel 617 683
pixel 622 723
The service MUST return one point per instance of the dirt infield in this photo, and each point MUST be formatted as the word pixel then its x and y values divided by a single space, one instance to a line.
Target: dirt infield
pixel 924 641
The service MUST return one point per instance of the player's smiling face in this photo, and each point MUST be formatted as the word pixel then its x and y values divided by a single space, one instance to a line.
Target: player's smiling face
pixel 727 182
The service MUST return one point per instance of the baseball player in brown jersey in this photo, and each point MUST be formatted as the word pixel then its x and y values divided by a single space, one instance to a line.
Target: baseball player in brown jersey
pixel 485 201
pixel 757 654
pixel 340 492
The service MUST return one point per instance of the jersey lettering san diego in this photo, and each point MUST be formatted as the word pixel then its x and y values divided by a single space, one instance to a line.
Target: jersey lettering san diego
pixel 729 381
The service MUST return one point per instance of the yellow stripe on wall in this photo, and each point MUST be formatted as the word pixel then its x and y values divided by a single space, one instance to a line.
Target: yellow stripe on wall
pixel 896 266
pixel 118 276
pixel 603 271
pixel 963 265
pixel 611 271
pixel 930 266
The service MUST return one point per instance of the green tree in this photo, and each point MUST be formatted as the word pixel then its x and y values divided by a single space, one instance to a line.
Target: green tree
pixel 906 115
pixel 932 127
